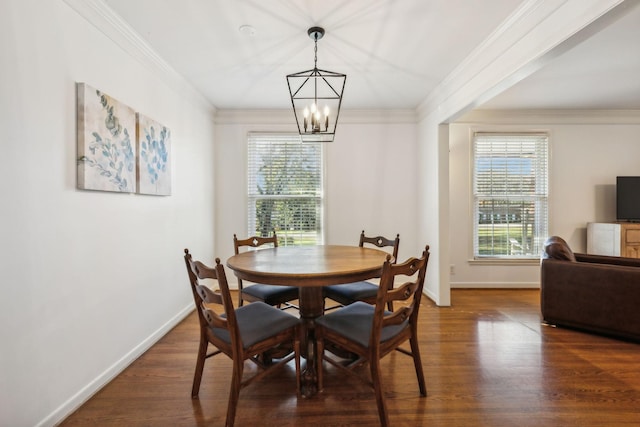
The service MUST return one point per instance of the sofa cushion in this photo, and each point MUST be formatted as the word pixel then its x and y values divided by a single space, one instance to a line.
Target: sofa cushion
pixel 556 247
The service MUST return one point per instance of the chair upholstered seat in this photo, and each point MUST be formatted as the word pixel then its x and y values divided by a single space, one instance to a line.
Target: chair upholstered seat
pixel 349 292
pixel 257 322
pixel 271 294
pixel 355 322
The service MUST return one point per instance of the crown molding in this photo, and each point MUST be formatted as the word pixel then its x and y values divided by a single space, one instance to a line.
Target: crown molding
pixel 547 117
pixel 101 16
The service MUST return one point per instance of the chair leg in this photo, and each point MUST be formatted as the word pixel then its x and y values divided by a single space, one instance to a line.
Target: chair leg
pixel 296 349
pixel 319 356
pixel 197 376
pixel 377 387
pixel 234 392
pixel 417 362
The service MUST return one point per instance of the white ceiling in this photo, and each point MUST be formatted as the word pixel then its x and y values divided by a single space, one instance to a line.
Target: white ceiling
pixel 394 52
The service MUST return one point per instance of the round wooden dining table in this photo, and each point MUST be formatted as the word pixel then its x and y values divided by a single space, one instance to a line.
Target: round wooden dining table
pixel 309 268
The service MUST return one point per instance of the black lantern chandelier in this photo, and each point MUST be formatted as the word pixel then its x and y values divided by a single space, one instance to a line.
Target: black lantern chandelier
pixel 316 96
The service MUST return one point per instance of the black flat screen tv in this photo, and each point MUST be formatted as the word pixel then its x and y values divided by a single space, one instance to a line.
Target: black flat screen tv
pixel 628 198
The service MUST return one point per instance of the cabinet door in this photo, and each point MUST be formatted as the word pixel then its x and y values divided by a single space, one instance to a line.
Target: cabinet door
pixel 632 241
pixel 604 239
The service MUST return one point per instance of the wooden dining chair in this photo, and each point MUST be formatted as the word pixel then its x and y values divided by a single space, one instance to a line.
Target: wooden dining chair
pixel 270 294
pixel 349 293
pixel 245 333
pixel 371 331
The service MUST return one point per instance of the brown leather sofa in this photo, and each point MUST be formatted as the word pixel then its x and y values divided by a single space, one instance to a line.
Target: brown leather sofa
pixel 594 293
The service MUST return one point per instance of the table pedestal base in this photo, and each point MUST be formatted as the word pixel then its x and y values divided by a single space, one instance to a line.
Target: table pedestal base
pixel 311 307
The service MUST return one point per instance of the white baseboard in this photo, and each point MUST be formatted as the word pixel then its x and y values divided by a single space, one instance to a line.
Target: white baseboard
pixel 495 285
pixel 68 407
pixel 429 294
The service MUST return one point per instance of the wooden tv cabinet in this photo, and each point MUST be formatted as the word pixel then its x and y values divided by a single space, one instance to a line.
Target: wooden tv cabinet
pixel 614 239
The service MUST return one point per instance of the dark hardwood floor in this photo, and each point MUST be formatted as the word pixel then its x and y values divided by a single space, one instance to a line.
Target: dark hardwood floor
pixel 488 362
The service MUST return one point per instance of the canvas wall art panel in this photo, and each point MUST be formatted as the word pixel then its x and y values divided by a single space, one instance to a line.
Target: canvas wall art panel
pixel 154 157
pixel 105 138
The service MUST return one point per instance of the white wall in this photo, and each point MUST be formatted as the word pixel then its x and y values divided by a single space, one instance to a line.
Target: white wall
pixel 88 279
pixel 587 152
pixel 433 222
pixel 371 178
pixel 371 184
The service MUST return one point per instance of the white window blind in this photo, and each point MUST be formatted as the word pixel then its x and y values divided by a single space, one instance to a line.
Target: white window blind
pixel 285 188
pixel 510 191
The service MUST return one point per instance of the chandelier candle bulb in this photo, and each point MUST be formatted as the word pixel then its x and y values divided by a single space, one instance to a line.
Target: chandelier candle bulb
pixel 305 113
pixel 326 118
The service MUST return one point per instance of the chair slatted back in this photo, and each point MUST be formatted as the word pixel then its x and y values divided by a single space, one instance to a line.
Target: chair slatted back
pixel 203 295
pixel 252 242
pixel 410 291
pixel 381 242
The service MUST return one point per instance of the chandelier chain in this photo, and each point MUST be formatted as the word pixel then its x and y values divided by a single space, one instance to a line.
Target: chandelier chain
pixel 315 54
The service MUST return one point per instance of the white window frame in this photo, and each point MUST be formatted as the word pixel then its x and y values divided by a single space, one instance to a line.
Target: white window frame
pixel 502 234
pixel 289 226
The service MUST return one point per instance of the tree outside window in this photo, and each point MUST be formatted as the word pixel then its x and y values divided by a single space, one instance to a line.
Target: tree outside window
pixel 285 188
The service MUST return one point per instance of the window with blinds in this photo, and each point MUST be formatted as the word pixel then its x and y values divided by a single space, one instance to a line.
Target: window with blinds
pixel 285 188
pixel 510 194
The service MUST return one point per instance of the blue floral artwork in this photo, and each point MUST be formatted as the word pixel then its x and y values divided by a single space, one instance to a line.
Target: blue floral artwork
pixel 106 158
pixel 154 157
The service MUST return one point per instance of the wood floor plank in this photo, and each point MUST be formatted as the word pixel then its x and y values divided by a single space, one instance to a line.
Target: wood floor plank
pixel 487 359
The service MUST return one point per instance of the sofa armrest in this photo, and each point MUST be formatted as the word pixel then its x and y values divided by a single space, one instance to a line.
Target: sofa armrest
pixel 602 298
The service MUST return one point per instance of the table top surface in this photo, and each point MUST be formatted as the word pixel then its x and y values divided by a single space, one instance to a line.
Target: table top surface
pixel 308 265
